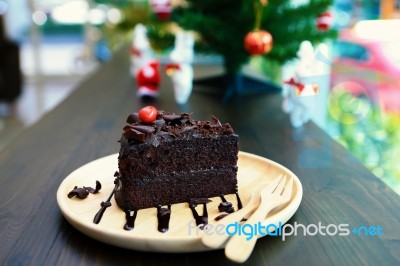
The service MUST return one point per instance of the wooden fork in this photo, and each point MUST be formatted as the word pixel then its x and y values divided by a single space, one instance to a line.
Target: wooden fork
pixel 217 240
pixel 239 248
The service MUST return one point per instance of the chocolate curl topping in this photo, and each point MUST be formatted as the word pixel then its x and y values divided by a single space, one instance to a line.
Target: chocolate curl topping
pixel 83 192
pixel 132 134
pixel 228 130
pixel 172 125
pixel 138 132
pixel 133 118
pixel 187 129
pixel 94 190
pixel 159 124
pixel 160 114
pixel 170 118
pixel 78 192
pixel 144 129
pixel 216 121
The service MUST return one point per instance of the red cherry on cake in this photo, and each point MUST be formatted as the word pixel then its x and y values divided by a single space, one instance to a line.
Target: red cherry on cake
pixel 148 114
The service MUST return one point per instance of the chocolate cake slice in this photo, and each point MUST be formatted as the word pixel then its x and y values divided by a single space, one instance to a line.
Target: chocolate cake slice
pixel 174 159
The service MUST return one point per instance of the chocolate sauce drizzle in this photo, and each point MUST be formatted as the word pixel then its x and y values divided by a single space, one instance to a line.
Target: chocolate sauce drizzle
pixel 201 221
pixel 104 205
pixel 222 196
pixel 239 202
pixel 227 207
pixel 219 217
pixel 130 219
pixel 163 216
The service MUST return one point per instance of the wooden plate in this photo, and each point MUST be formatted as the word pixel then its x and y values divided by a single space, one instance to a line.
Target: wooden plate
pixel 181 237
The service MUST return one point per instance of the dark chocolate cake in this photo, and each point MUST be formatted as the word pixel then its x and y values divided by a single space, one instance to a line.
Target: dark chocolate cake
pixel 174 159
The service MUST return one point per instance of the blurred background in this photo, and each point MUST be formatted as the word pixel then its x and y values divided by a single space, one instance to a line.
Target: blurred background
pixel 49 46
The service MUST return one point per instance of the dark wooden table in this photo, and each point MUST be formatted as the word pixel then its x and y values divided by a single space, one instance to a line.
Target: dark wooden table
pixel 87 125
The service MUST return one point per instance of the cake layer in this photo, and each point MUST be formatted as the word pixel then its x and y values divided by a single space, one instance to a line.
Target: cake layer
pixel 181 187
pixel 145 160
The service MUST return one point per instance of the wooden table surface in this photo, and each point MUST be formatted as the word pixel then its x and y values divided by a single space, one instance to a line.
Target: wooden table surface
pixel 87 125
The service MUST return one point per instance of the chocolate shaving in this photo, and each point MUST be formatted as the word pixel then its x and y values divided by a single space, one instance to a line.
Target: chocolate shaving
pixel 227 129
pixel 187 129
pixel 133 118
pixel 170 118
pixel 160 115
pixel 83 192
pixel 144 129
pixel 169 126
pixel 184 120
pixel 132 134
pixel 94 190
pixel 159 124
pixel 216 121
pixel 78 192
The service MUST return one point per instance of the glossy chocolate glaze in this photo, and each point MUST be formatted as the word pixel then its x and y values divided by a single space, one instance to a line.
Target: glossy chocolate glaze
pixel 130 219
pixel 163 217
pixel 227 207
pixel 239 202
pixel 104 205
pixel 164 214
pixel 201 220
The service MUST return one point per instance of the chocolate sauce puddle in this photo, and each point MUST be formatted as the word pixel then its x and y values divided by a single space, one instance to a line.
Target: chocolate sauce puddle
pixel 163 216
pixel 130 219
pixel 104 205
pixel 227 207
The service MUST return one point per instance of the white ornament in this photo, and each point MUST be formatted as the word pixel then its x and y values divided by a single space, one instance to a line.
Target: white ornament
pixel 141 52
pixel 297 3
pixel 306 87
pixel 180 69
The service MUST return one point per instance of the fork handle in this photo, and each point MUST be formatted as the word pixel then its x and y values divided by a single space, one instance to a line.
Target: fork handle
pixel 215 240
pixel 240 246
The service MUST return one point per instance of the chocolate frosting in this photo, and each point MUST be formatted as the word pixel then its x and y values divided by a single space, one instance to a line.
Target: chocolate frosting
pixel 169 126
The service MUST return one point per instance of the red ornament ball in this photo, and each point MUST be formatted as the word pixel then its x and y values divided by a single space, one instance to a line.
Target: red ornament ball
pixel 324 21
pixel 258 42
pixel 162 8
pixel 148 114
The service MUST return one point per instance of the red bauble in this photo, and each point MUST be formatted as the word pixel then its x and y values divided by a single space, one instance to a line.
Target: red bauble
pixel 324 21
pixel 162 8
pixel 258 42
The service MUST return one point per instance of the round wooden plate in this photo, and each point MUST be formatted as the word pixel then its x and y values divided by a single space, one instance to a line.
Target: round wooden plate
pixel 182 236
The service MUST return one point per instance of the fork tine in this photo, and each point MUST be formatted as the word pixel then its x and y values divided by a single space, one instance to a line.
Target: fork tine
pixel 280 186
pixel 270 188
pixel 287 193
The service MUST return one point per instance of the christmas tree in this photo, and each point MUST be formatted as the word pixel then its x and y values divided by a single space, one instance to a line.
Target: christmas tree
pixel 223 25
